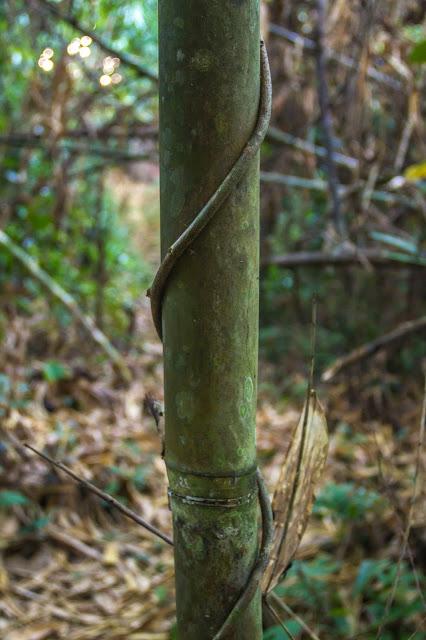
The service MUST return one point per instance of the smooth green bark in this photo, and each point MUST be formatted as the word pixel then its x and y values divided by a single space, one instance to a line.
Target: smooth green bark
pixel 209 94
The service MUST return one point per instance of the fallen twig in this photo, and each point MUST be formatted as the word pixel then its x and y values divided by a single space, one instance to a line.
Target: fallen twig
pixel 68 301
pixel 105 496
pixel 367 350
pixel 76 545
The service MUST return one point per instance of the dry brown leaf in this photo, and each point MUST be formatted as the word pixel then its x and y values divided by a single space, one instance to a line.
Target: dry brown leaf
pixel 35 631
pixel 294 495
pixel 111 554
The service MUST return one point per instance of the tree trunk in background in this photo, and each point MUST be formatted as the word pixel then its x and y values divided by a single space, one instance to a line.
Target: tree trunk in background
pixel 209 95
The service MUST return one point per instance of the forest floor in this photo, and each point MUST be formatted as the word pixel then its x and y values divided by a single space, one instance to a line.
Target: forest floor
pixel 71 567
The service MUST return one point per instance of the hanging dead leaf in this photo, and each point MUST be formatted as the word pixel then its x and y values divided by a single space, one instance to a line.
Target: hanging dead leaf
pixel 294 495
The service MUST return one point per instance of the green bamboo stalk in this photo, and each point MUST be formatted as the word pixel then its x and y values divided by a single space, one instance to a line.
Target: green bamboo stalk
pixel 209 96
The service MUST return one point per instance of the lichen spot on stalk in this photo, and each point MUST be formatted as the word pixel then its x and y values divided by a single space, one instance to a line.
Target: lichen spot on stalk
pixel 245 407
pixel 185 405
pixel 202 60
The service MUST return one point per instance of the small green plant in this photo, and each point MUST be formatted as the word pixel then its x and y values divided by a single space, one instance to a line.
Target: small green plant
pixel 9 498
pixel 278 633
pixel 54 371
pixel 346 501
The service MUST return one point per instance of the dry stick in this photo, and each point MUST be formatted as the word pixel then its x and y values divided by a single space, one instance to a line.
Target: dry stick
pixel 309 392
pixel 369 349
pixel 280 603
pixel 274 177
pixel 346 258
pixel 316 184
pixel 68 301
pixel 27 140
pixel 314 326
pixel 73 22
pixel 396 507
pixel 327 121
pixel 404 144
pixel 368 190
pixel 407 132
pixel 276 135
pixel 420 443
pixel 309 45
pixel 76 545
pixel 105 496
pixel 419 628
pixel 278 619
pixel 100 271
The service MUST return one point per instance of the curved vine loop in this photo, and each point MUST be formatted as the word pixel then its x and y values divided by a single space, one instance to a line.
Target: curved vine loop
pixel 185 240
pixel 261 563
pixel 158 288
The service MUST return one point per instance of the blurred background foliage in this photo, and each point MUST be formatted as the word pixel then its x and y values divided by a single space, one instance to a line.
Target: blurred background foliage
pixel 79 194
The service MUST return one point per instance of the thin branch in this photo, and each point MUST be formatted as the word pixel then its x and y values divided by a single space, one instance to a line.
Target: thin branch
pixel 406 536
pixel 327 121
pixel 293 181
pixel 367 350
pixel 278 619
pixel 276 135
pixel 281 604
pixel 68 301
pixel 129 61
pixel 105 496
pixel 94 149
pixel 73 543
pixel 309 45
pixel 115 130
pixel 407 132
pixel 395 503
pixel 419 628
pixel 359 257
pixel 316 184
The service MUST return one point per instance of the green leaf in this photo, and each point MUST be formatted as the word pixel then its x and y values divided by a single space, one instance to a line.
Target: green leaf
pixel 12 498
pixel 346 501
pixel 278 633
pixel 275 633
pixel 367 570
pixel 4 386
pixel 418 53
pixel 396 241
pixel 36 525
pixel 161 593
pixel 54 371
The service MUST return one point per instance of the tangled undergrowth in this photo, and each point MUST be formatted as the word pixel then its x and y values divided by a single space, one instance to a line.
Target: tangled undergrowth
pixel 72 567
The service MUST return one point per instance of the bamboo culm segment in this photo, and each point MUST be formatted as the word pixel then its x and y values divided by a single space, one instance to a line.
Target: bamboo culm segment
pixel 209 107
